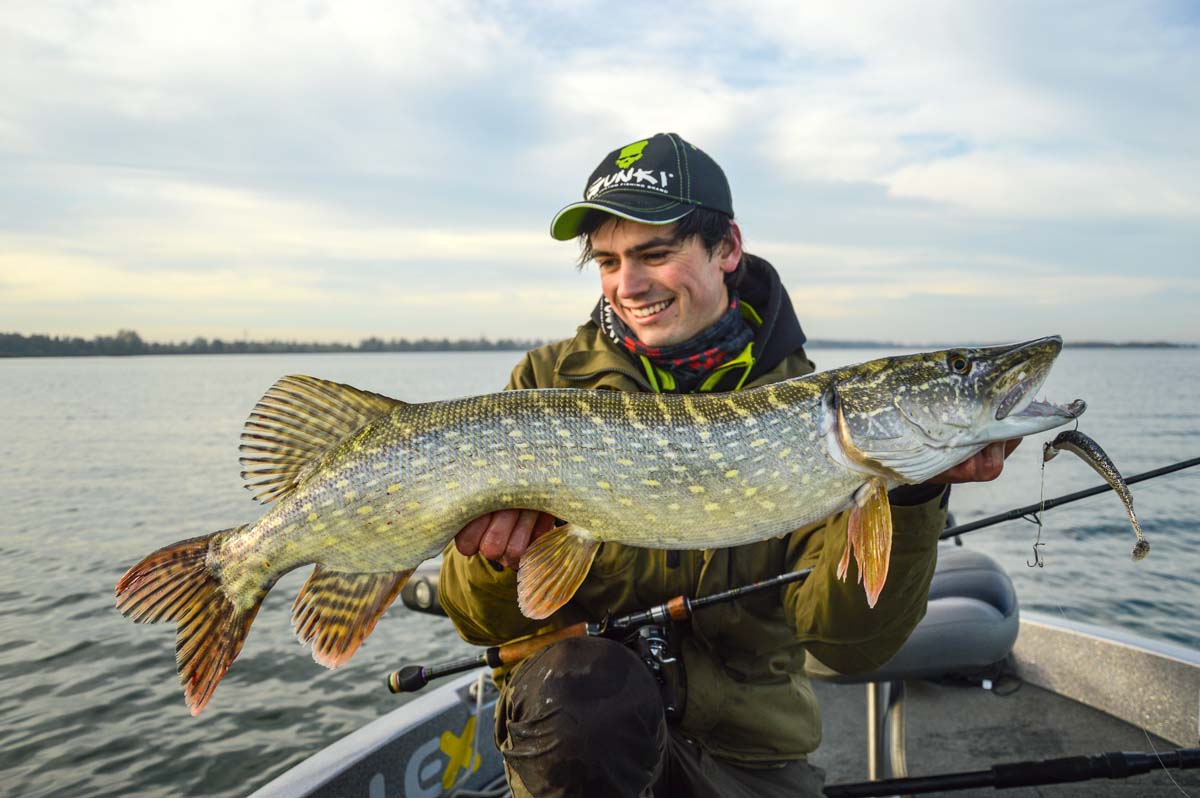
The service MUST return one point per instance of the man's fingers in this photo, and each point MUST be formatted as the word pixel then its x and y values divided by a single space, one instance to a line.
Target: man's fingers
pixel 983 467
pixel 503 536
pixel 495 539
pixel 519 540
pixel 990 462
pixel 467 539
pixel 544 523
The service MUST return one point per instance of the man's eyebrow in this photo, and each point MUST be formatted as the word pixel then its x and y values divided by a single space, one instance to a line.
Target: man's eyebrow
pixel 653 243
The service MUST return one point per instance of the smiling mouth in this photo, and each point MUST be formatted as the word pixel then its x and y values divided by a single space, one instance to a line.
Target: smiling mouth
pixel 650 310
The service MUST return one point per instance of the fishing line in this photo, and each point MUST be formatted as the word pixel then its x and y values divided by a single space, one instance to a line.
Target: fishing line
pixel 1038 562
pixel 1166 769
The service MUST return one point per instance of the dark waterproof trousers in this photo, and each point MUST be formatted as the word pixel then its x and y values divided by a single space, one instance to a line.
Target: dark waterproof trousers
pixel 583 718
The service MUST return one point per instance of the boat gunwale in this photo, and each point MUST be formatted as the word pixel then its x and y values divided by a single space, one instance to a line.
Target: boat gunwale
pixel 1151 684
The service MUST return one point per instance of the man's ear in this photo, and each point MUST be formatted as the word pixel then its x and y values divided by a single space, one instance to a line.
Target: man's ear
pixel 729 251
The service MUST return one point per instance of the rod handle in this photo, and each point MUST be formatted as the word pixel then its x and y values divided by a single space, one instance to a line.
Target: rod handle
pixel 408 679
pixel 515 652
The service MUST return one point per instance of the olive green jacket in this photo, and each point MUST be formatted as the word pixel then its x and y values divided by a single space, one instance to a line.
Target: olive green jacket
pixel 747 697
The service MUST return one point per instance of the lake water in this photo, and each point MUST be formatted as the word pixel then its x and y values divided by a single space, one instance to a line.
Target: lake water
pixel 104 460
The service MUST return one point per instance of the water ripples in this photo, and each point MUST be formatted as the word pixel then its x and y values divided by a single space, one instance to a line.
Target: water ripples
pixel 90 704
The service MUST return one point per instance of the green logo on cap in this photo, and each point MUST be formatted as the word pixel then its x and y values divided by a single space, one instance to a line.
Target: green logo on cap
pixel 631 154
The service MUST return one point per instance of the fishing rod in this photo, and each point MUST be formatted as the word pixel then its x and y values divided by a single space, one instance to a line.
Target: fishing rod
pixel 1029 510
pixel 1112 765
pixel 411 678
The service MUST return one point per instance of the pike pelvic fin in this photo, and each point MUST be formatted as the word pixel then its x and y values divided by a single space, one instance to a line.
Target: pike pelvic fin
pixel 175 583
pixel 552 569
pixel 295 423
pixel 869 534
pixel 335 611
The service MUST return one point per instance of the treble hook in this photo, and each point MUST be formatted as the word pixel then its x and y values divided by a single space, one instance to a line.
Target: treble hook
pixel 1038 562
pixel 1037 555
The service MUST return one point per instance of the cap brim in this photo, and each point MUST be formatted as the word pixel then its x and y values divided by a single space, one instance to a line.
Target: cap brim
pixel 567 222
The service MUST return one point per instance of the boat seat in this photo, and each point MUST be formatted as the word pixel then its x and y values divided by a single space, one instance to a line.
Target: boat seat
pixel 971 623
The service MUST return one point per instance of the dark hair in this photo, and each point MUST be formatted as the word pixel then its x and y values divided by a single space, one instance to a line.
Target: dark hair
pixel 713 227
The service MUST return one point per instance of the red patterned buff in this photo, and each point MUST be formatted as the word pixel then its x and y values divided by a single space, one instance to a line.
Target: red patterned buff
pixel 694 359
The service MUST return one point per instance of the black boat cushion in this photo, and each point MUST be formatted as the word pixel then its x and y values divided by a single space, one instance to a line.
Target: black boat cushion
pixel 971 623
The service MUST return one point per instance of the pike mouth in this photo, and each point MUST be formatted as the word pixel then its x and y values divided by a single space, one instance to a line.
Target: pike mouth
pixel 1020 393
pixel 1040 409
pixel 1019 403
pixel 1030 365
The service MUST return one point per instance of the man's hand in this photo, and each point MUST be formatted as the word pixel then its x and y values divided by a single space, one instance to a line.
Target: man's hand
pixel 503 536
pixel 983 467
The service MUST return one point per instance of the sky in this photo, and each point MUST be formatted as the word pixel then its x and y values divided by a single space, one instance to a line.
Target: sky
pixel 920 171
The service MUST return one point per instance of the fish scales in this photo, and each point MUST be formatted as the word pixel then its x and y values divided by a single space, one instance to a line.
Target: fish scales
pixel 638 468
pixel 367 487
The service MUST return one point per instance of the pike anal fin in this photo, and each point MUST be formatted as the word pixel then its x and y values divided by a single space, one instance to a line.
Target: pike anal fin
pixel 176 584
pixel 869 534
pixel 552 569
pixel 335 611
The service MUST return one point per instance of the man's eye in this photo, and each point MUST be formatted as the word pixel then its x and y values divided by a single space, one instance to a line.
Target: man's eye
pixel 606 263
pixel 655 255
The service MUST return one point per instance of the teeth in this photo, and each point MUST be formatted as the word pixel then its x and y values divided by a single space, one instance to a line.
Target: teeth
pixel 650 310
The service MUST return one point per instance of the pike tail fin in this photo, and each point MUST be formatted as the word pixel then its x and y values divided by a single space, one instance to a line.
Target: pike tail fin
pixel 336 611
pixel 175 583
pixel 552 570
pixel 869 534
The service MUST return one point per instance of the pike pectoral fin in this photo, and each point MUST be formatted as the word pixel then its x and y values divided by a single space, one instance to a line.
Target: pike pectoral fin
pixel 869 534
pixel 175 583
pixel 335 611
pixel 552 570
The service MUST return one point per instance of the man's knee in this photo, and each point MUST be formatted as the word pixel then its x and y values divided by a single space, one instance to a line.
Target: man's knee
pixel 584 713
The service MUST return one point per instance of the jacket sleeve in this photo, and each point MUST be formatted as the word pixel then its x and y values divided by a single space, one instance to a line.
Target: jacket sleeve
pixel 479 596
pixel 832 617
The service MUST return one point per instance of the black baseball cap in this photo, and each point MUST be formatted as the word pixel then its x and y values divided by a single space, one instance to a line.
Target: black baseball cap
pixel 657 180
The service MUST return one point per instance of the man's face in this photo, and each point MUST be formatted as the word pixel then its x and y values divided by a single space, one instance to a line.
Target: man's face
pixel 664 292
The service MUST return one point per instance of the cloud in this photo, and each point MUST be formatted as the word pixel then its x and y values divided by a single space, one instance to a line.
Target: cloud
pixel 1024 185
pixel 273 165
pixel 994 110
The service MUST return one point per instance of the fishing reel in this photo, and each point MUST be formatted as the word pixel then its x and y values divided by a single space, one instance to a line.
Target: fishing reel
pixel 657 647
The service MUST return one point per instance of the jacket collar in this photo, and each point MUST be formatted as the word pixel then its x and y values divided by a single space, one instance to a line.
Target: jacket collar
pixel 593 359
pixel 780 334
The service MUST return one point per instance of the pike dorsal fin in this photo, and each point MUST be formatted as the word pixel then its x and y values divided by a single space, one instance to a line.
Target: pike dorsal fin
pixel 295 423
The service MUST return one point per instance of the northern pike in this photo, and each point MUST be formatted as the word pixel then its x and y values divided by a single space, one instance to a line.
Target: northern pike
pixel 1089 451
pixel 367 487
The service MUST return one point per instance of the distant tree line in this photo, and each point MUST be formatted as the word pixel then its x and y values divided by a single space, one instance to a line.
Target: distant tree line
pixel 128 342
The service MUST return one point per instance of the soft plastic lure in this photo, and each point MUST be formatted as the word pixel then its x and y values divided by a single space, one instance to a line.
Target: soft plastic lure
pixel 1090 452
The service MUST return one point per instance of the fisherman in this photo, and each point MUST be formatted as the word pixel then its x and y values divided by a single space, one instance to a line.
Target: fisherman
pixel 684 309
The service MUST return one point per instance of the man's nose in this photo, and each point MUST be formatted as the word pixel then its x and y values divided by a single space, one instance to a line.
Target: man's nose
pixel 632 280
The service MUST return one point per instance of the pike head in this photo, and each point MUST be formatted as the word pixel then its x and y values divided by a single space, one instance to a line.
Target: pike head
pixel 906 419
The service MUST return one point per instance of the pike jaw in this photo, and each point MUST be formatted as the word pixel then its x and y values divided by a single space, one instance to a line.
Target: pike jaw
pixel 910 418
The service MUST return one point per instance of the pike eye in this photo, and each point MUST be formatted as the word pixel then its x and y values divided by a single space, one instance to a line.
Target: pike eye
pixel 959 363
